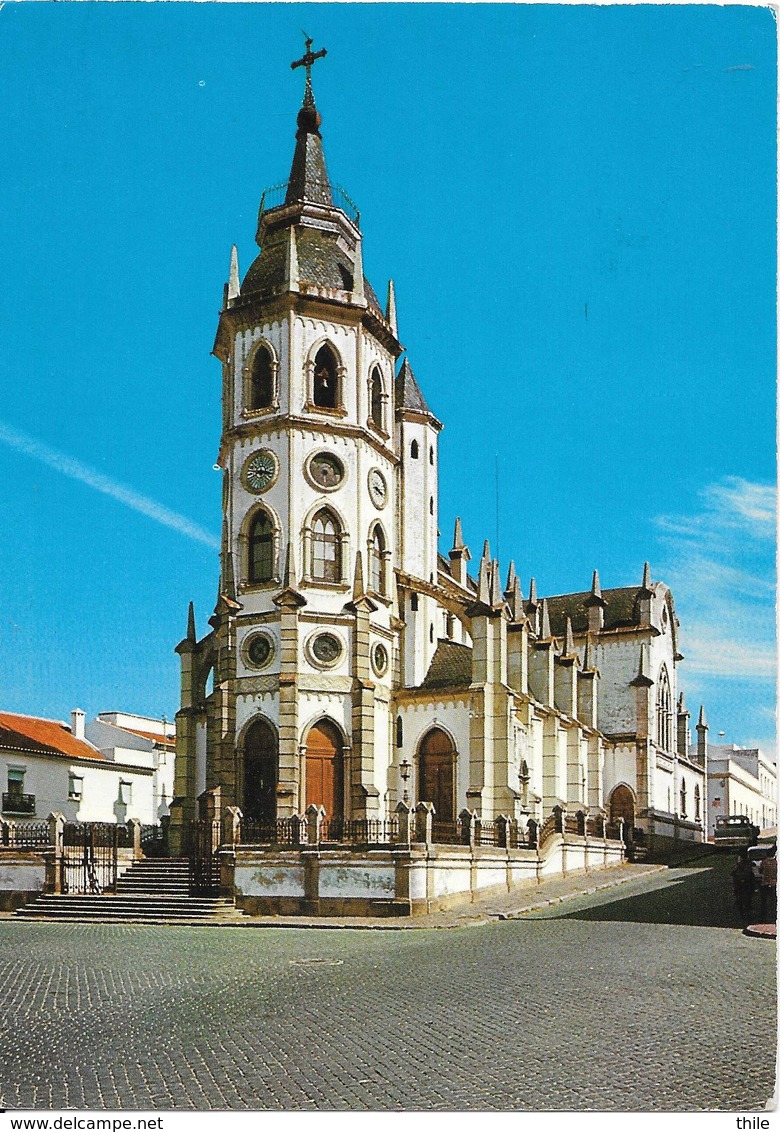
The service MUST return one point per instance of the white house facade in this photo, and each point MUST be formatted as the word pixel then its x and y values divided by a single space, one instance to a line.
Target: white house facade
pixel 741 780
pixel 110 770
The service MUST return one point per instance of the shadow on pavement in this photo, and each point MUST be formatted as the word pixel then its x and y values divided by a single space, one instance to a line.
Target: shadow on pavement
pixel 699 894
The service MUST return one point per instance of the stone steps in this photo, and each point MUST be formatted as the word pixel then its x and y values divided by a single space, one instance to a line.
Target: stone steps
pixel 153 890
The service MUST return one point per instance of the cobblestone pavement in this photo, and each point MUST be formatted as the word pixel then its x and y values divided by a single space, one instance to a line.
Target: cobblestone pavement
pixel 621 1000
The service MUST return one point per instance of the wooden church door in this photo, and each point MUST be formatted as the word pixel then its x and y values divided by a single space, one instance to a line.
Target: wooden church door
pixel 325 769
pixel 437 774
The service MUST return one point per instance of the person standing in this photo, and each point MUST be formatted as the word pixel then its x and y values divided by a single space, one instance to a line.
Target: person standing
pixel 742 879
pixel 768 885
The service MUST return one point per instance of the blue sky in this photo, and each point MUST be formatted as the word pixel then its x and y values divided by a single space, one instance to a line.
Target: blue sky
pixel 577 205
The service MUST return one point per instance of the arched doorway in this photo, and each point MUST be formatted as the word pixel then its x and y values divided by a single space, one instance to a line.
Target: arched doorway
pixel 436 777
pixel 325 769
pixel 621 805
pixel 261 766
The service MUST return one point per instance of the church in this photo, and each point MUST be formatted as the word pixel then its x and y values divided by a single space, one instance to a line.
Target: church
pixel 351 666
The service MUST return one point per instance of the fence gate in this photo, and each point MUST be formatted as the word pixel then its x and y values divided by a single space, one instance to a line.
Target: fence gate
pixel 204 862
pixel 89 857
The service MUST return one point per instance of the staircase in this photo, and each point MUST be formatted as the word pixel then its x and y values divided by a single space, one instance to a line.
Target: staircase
pixel 153 890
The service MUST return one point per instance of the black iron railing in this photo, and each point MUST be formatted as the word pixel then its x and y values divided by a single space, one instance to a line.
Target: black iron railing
pixel 14 803
pixel 276 196
pixel 25 835
pixel 283 831
pixel 448 833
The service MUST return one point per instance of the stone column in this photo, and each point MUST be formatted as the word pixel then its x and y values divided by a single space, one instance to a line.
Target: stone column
pixel 55 856
pixel 423 813
pixel 404 824
pixel 134 826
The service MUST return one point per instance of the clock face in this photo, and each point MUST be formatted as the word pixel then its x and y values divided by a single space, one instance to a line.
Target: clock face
pixel 260 471
pixel 377 488
pixel 326 470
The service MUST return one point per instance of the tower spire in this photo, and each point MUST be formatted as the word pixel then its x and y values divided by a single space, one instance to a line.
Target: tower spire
pixel 309 175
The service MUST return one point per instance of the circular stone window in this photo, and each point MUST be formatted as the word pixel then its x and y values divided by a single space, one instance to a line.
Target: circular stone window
pixel 326 471
pixel 258 650
pixel 325 650
pixel 379 659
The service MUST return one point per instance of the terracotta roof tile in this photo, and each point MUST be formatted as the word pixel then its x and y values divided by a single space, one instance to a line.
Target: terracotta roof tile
pixel 43 736
pixel 166 740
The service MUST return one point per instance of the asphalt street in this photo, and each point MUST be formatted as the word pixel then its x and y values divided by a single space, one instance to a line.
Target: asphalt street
pixel 647 997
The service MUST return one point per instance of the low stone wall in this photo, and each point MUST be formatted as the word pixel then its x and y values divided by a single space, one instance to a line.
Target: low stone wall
pixel 22 877
pixel 344 880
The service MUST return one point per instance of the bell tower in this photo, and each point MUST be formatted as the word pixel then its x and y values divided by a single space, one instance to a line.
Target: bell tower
pixel 304 636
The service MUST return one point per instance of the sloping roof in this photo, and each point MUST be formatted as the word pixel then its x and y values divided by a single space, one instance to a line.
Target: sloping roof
pixel 321 263
pixel 408 394
pixel 450 667
pixel 621 609
pixel 43 737
pixel 164 740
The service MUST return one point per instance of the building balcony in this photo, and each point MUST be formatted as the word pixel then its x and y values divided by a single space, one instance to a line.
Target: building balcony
pixel 19 804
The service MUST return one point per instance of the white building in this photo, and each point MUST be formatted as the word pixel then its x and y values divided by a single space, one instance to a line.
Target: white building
pixel 117 767
pixel 352 663
pixel 741 780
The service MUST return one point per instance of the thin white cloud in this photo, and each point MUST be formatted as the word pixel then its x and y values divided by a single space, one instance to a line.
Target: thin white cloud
pixel 720 564
pixel 75 470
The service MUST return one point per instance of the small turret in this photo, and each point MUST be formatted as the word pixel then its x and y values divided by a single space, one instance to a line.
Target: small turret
pixel 683 728
pixel 702 727
pixel 595 604
pixel 234 286
pixel 191 634
pixel 390 311
pixel 459 556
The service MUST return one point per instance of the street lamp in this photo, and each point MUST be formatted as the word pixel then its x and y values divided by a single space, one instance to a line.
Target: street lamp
pixel 405 769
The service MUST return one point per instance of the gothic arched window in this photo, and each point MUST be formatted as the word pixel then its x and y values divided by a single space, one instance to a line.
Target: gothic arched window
pixel 415 450
pixel 399 731
pixel 326 378
pixel 261 385
pixel 697 802
pixel 325 547
pixel 664 712
pixel 683 798
pixel 376 399
pixel 261 549
pixel 377 561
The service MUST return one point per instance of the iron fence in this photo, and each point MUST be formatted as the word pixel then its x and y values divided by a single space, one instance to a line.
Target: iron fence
pixel 283 831
pixel 448 833
pixel 276 196
pixel 486 833
pixel 360 831
pixel 89 858
pixel 25 835
pixel 204 841
pixel 153 841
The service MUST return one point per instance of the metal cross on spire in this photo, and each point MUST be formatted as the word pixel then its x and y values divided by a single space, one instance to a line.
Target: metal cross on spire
pixel 307 61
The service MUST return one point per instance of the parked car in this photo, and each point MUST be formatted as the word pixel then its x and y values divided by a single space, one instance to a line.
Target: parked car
pixel 735 832
pixel 757 854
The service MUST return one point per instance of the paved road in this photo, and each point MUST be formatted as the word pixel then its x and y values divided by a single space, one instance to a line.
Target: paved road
pixel 625 1000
